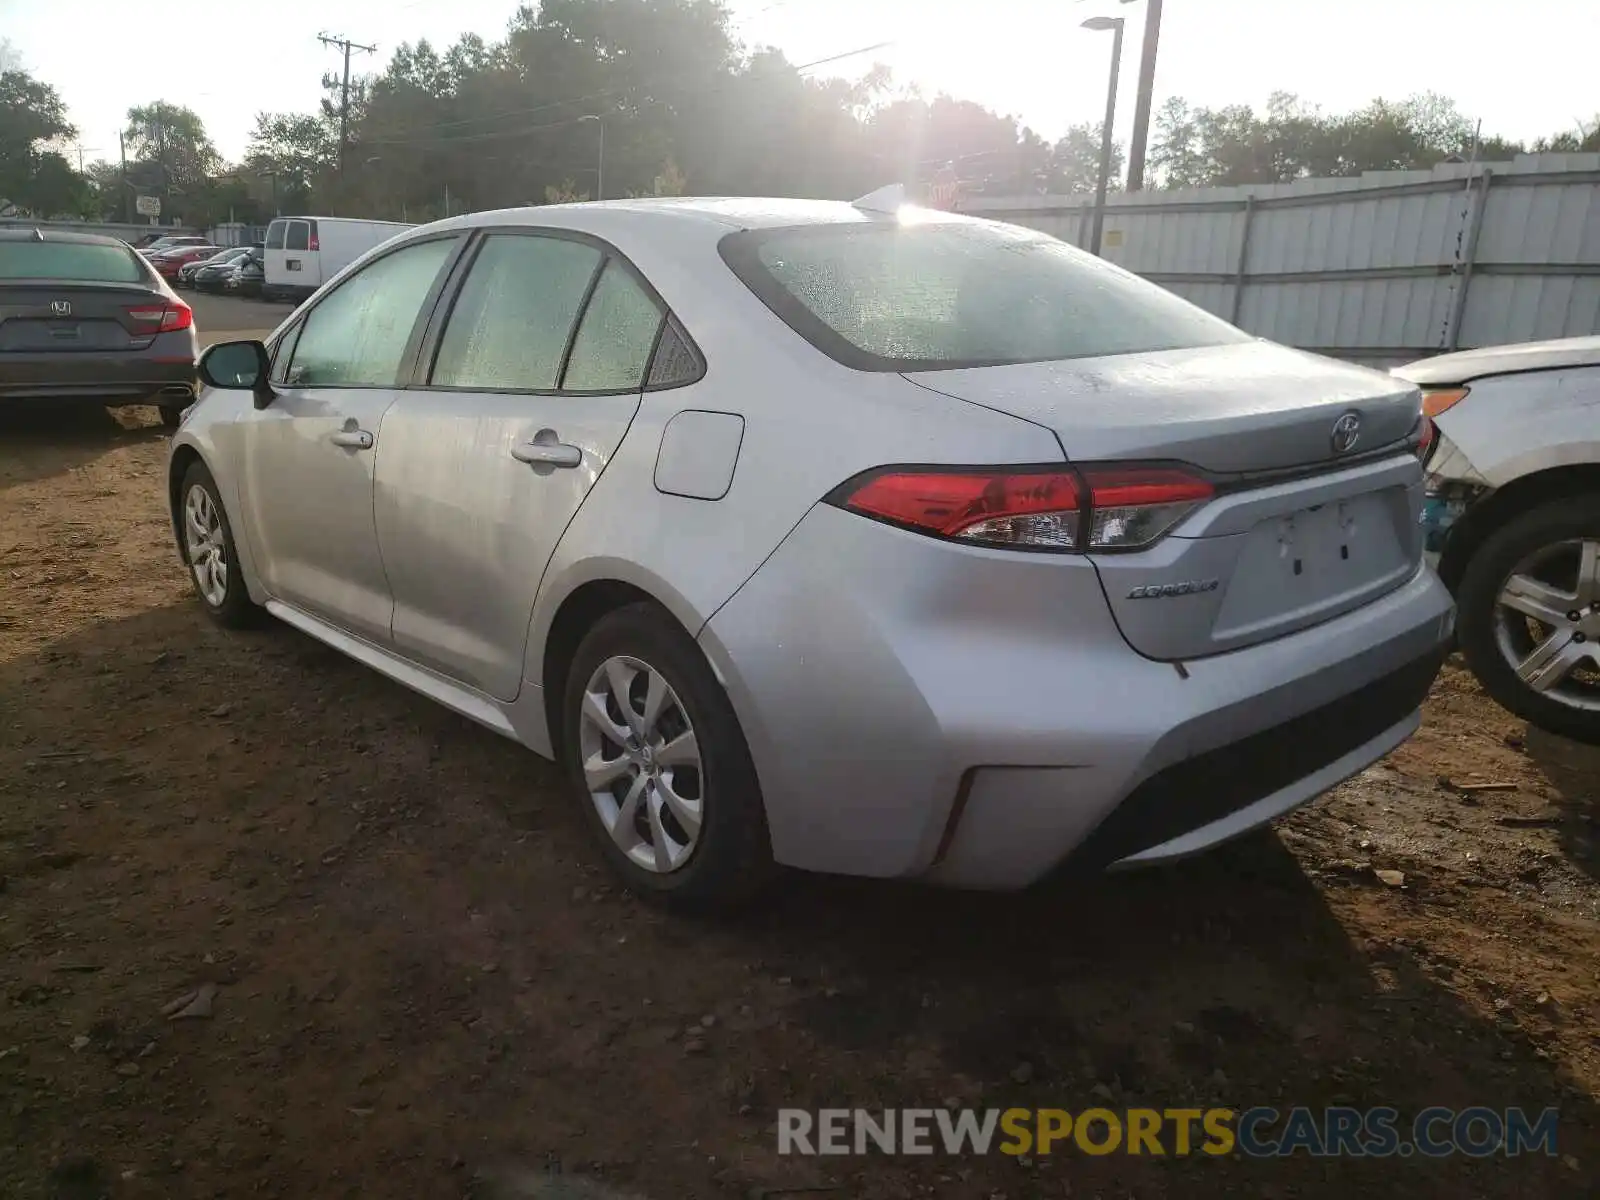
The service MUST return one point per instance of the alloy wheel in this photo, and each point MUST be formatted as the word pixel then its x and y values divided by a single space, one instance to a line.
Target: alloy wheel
pixel 1547 622
pixel 641 763
pixel 203 537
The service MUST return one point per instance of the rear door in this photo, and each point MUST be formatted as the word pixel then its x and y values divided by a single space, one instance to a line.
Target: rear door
pixel 535 376
pixel 308 457
pixel 275 256
pixel 302 263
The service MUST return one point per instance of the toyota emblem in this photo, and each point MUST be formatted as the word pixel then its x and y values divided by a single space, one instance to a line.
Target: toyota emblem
pixel 60 308
pixel 1346 432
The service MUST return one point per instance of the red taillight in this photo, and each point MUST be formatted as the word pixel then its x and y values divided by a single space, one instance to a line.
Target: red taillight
pixel 1426 435
pixel 313 244
pixel 1002 508
pixel 171 317
pixel 1096 508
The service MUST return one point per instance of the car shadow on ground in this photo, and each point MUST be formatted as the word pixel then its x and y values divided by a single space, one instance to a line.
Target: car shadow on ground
pixel 408 925
pixel 40 440
pixel 1573 770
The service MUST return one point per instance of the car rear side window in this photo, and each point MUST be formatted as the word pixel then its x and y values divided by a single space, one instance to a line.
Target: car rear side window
pixel 675 362
pixel 85 261
pixel 892 296
pixel 356 336
pixel 512 322
pixel 615 337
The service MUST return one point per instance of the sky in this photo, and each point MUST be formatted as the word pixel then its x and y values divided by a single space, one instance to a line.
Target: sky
pixel 1022 57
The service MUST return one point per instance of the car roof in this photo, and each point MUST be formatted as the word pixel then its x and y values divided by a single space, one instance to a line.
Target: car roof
pixel 30 234
pixel 1447 370
pixel 731 212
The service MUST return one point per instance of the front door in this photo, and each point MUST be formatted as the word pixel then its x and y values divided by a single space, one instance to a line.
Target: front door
pixel 308 457
pixel 537 375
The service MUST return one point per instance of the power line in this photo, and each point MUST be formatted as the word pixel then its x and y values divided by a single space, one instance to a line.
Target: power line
pixel 408 140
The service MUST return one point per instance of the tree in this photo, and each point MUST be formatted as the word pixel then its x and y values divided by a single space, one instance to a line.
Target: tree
pixel 1584 136
pixel 56 190
pixel 31 116
pixel 289 156
pixel 1204 147
pixel 174 139
pixel 1075 161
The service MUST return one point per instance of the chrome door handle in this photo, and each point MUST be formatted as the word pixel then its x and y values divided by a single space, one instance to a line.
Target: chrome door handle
pixel 352 439
pixel 547 454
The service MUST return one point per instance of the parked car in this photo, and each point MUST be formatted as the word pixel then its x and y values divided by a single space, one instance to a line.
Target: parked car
pixel 246 277
pixel 803 534
pixel 169 262
pixel 1513 521
pixel 212 275
pixel 170 241
pixel 226 257
pixel 304 252
pixel 84 318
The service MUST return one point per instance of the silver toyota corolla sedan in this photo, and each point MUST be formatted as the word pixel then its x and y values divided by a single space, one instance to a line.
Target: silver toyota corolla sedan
pixel 854 538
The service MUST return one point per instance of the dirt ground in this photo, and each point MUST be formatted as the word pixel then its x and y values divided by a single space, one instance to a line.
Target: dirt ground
pixel 424 984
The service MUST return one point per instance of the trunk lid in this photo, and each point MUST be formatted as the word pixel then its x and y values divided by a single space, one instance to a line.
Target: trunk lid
pixel 1246 407
pixel 1297 533
pixel 54 317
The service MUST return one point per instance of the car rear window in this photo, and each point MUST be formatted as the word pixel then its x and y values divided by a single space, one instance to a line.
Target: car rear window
pixel 275 233
pixel 893 296
pixel 69 260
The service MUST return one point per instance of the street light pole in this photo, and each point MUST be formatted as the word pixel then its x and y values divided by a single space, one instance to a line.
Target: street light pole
pixel 600 161
pixel 1100 24
pixel 1142 97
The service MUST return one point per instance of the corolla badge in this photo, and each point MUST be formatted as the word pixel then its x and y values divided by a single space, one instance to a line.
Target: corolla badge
pixel 1346 432
pixel 1159 591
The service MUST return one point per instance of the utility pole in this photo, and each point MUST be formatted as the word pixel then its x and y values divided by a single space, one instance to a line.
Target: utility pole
pixel 127 192
pixel 1141 103
pixel 346 45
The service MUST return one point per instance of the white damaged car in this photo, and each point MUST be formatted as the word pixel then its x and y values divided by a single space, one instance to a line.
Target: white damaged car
pixel 1512 520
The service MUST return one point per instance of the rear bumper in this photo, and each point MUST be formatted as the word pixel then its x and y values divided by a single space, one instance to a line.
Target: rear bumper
pixel 107 378
pixel 975 718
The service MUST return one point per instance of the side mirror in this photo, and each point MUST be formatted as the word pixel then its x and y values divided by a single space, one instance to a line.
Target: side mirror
pixel 238 366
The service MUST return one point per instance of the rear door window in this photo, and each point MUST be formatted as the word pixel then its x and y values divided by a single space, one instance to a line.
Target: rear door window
pixel 298 236
pixel 615 338
pixel 275 234
pixel 882 296
pixel 512 321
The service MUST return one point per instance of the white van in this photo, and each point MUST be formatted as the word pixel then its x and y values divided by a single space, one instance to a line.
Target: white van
pixel 304 252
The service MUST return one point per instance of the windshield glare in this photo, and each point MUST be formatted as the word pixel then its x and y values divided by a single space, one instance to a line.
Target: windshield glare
pixel 957 294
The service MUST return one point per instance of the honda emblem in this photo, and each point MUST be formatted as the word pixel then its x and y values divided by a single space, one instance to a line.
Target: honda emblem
pixel 60 308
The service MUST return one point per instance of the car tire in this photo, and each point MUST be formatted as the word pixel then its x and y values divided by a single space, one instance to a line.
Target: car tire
pixel 220 587
pixel 1490 637
pixel 726 861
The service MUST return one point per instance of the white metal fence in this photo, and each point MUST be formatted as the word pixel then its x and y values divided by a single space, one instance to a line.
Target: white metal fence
pixel 1382 268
